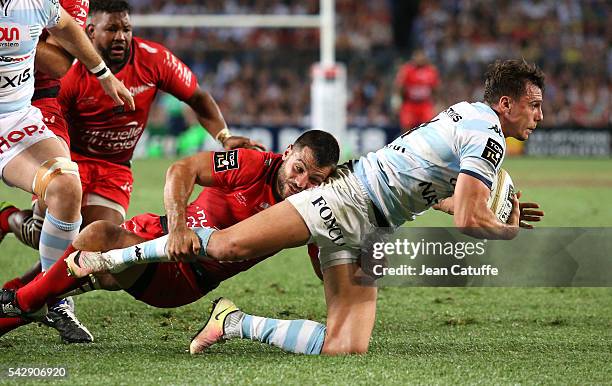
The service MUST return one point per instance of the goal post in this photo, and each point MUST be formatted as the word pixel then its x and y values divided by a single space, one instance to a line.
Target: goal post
pixel 328 79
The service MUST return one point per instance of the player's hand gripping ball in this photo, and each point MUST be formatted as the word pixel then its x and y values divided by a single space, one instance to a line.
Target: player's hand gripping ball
pixel 500 201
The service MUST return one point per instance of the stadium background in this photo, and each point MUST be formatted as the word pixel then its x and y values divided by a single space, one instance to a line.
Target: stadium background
pixel 260 77
pixel 422 335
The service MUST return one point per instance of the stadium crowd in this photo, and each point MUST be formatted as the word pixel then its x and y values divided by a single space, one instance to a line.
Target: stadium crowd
pixel 261 75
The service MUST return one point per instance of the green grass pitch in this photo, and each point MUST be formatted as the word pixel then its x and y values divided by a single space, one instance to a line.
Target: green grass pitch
pixel 422 335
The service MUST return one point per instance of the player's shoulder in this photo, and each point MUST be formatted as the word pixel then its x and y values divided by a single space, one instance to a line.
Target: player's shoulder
pixel 148 48
pixel 260 158
pixel 246 165
pixel 477 117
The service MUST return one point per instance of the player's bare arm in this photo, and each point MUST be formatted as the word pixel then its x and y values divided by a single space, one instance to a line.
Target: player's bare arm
pixel 52 59
pixel 181 177
pixel 75 41
pixel 472 215
pixel 529 211
pixel 210 117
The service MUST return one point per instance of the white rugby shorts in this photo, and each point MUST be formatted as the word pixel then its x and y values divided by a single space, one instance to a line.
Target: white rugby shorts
pixel 339 215
pixel 20 130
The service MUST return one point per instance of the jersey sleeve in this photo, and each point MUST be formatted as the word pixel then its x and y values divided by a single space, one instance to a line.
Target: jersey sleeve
pixel 52 10
pixel 174 76
pixel 481 150
pixel 78 9
pixel 239 167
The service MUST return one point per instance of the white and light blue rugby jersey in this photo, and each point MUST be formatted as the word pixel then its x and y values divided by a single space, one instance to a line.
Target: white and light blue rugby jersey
pixel 421 167
pixel 21 23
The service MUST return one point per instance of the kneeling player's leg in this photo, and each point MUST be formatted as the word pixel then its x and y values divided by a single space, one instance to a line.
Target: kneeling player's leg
pixel 351 310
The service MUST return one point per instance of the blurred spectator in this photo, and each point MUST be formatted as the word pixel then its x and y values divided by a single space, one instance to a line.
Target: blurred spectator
pixel 260 75
pixel 415 84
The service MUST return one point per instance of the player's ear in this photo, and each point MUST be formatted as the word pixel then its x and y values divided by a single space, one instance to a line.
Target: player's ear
pixel 287 152
pixel 90 30
pixel 505 103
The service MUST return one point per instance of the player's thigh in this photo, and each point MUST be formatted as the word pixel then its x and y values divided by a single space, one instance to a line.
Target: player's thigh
pixel 275 228
pixel 21 170
pixel 351 310
pixel 93 213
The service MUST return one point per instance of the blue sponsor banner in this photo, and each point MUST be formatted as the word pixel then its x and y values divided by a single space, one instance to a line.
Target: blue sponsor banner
pixel 360 140
pixel 363 139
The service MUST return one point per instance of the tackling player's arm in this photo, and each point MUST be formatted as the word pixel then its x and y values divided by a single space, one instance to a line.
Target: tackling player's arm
pixel 211 118
pixel 180 180
pixel 72 37
pixel 472 215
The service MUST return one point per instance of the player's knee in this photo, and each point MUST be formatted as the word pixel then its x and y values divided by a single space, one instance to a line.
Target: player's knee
pixel 95 236
pixel 338 344
pixel 64 192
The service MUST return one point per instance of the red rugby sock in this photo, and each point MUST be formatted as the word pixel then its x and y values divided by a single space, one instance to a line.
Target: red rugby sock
pixel 4 215
pixel 15 283
pixel 9 324
pixel 48 285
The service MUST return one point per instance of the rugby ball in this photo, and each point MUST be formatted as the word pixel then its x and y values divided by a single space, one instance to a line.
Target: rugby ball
pixel 500 201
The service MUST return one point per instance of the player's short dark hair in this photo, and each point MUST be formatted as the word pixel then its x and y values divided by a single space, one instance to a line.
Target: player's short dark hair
pixel 324 146
pixel 109 6
pixel 510 78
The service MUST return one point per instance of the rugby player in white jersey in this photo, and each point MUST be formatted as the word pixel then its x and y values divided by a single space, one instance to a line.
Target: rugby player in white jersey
pixel 31 157
pixel 455 155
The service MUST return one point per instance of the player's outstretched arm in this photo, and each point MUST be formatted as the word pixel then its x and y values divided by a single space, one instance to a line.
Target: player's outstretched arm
pixel 210 117
pixel 181 177
pixel 472 215
pixel 72 37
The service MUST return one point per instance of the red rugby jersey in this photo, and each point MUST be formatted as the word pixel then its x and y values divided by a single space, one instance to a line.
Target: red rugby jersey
pixel 98 128
pixel 417 83
pixel 78 9
pixel 244 185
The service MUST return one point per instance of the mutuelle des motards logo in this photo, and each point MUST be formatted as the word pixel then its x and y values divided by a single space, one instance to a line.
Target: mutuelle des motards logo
pixel 331 224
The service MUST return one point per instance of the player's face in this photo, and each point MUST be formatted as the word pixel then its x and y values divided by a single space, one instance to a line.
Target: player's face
pixel 299 171
pixel 523 115
pixel 112 36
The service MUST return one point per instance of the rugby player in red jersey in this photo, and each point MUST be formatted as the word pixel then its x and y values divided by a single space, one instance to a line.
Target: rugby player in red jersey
pixel 103 137
pixel 416 82
pixel 238 184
